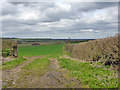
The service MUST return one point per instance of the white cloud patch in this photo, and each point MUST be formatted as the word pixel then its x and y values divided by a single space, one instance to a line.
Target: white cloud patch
pixel 90 30
pixel 29 16
pixel 63 6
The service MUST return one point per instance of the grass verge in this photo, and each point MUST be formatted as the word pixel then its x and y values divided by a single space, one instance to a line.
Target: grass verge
pixel 13 63
pixel 88 74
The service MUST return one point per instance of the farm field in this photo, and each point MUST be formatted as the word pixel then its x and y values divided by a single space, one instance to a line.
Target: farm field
pixel 48 67
pixel 52 50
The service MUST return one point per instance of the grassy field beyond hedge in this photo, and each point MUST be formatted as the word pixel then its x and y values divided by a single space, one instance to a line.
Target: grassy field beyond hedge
pixel 52 50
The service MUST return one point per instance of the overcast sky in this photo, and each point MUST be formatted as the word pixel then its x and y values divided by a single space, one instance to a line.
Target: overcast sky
pixel 59 19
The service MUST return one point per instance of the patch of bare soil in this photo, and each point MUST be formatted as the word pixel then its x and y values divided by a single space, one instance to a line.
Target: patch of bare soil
pixel 55 77
pixel 6 59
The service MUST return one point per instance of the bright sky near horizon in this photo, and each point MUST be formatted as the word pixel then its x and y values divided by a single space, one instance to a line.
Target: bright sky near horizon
pixel 77 20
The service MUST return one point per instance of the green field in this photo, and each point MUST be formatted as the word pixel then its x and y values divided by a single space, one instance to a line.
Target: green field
pixel 52 50
pixel 78 42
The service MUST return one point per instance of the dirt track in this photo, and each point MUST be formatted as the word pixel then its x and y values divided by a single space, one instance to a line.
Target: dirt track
pixel 55 77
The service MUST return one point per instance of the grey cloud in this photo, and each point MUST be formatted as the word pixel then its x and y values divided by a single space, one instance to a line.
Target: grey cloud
pixel 48 19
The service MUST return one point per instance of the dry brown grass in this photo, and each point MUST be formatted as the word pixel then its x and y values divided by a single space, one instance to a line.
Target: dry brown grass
pixel 106 48
pixel 8 43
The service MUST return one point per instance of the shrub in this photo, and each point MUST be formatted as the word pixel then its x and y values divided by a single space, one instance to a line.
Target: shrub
pixel 6 52
pixel 95 50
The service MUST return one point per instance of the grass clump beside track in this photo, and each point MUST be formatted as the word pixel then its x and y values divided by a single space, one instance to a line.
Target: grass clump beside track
pixel 94 77
pixel 13 63
pixel 38 66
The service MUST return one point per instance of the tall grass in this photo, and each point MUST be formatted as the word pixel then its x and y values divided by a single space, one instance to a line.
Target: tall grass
pixel 8 43
pixel 90 75
pixel 95 50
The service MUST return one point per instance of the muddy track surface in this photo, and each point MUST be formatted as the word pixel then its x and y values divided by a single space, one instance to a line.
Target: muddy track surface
pixel 9 76
pixel 54 77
